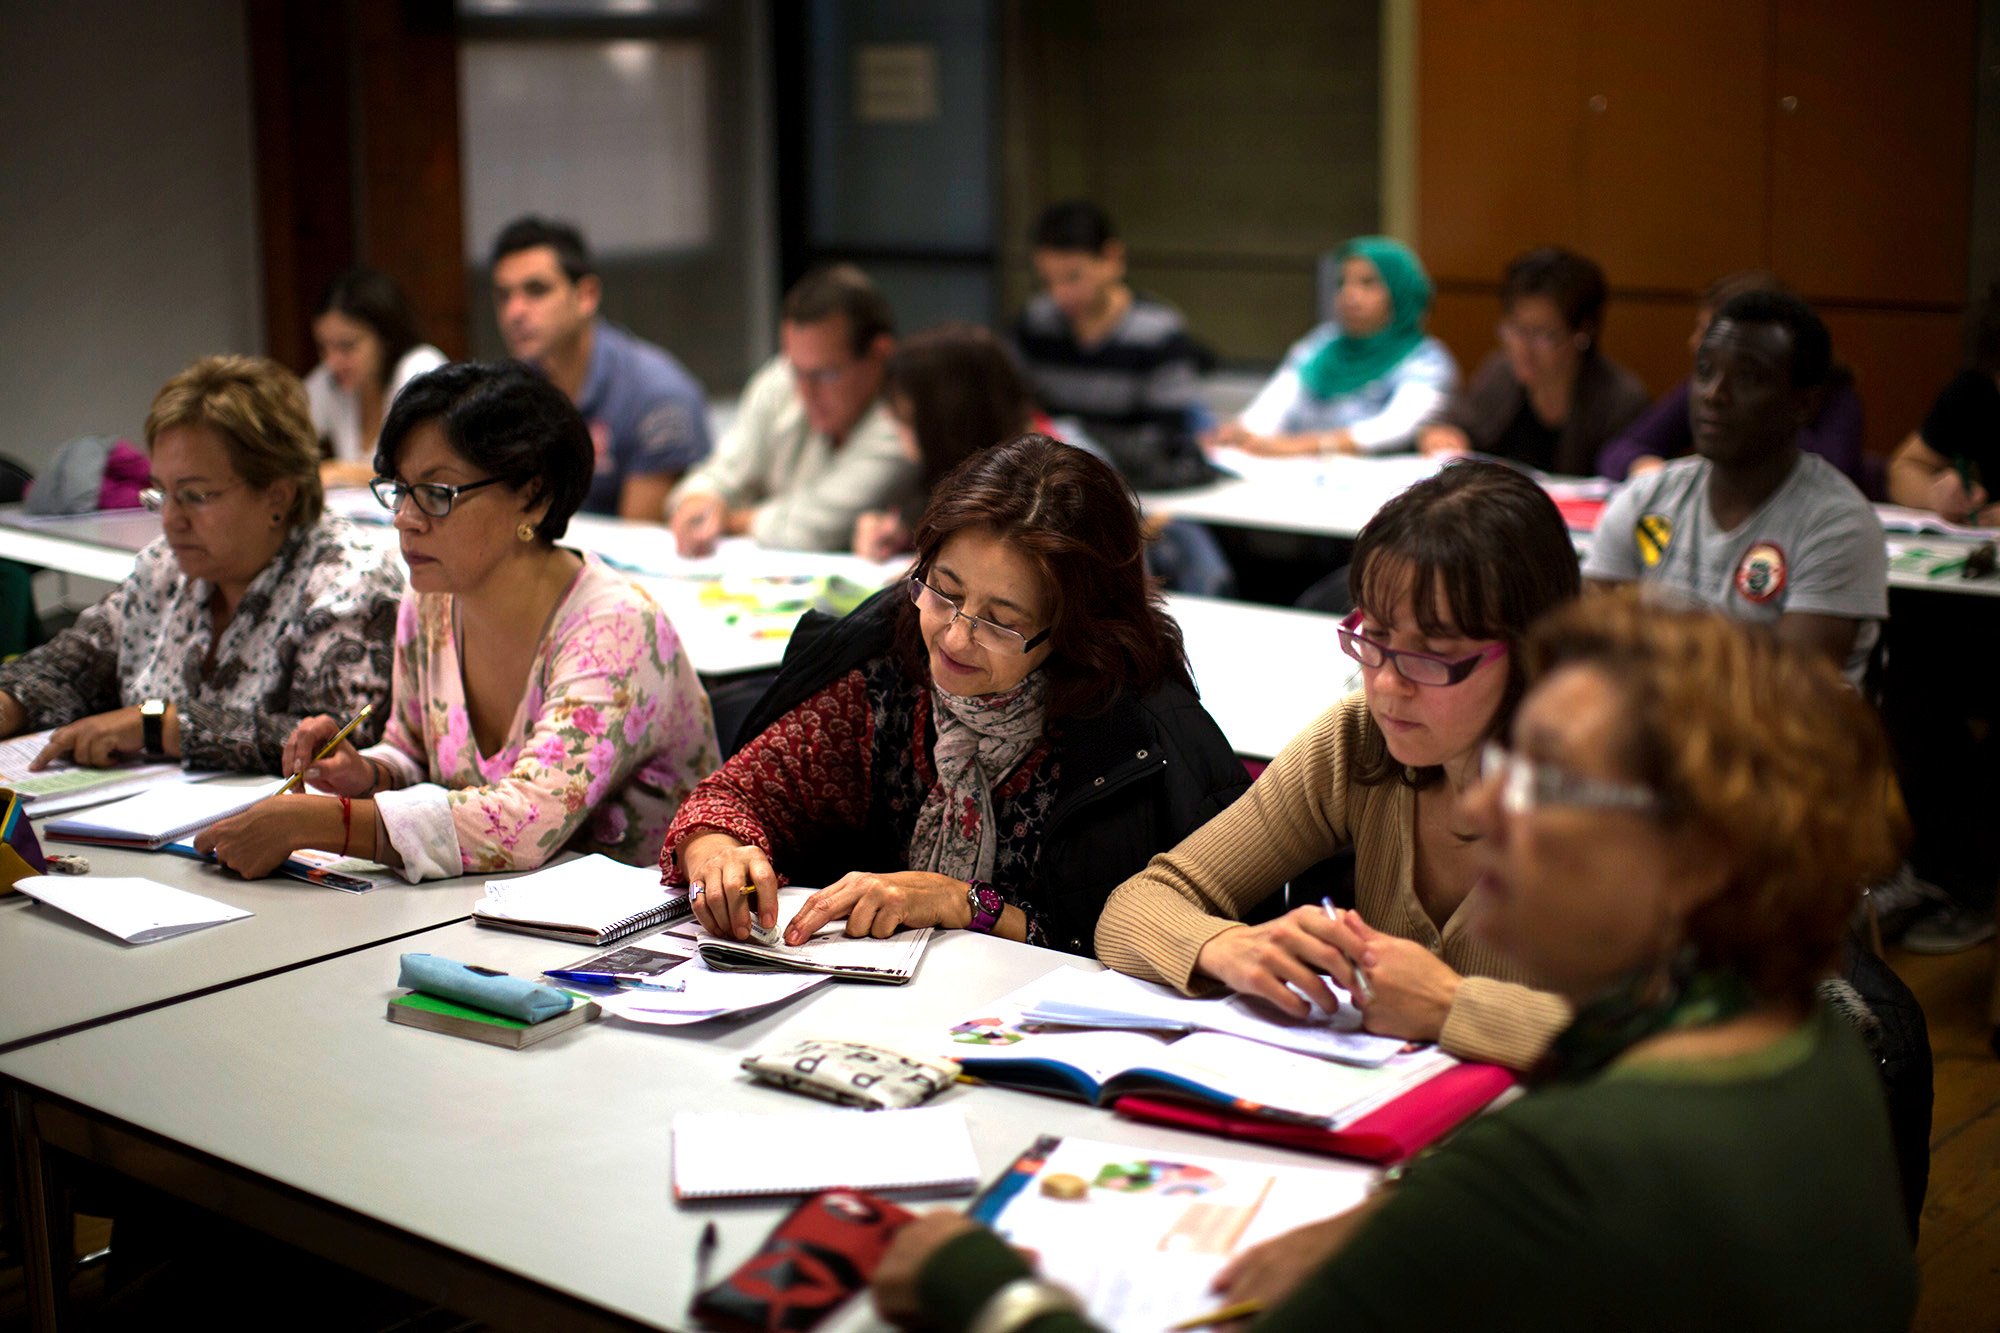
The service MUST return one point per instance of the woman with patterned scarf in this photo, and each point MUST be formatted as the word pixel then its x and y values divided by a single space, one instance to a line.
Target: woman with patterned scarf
pixel 991 744
pixel 1364 381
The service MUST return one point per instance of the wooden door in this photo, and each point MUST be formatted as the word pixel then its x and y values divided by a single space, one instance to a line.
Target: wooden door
pixel 1674 187
pixel 1872 147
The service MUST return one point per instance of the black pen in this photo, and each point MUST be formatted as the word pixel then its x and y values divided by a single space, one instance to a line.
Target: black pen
pixel 704 1251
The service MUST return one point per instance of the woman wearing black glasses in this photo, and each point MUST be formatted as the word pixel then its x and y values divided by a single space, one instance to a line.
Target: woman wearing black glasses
pixel 991 745
pixel 1447 579
pixel 254 609
pixel 542 701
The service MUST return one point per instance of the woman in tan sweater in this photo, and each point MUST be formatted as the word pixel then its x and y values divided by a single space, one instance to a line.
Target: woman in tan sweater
pixel 1447 578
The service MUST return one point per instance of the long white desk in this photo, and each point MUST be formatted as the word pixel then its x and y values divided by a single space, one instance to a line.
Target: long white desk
pixel 526 1188
pixel 63 974
pixel 1264 672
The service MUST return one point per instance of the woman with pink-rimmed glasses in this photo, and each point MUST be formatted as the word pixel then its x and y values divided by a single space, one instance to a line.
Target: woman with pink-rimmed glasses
pixel 1446 580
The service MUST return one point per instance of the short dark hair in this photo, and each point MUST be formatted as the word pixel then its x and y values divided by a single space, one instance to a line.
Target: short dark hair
pixel 1572 281
pixel 963 393
pixel 507 421
pixel 1070 515
pixel 1482 544
pixel 532 230
pixel 1812 345
pixel 841 289
pixel 1073 224
pixel 1982 342
pixel 1719 293
pixel 372 299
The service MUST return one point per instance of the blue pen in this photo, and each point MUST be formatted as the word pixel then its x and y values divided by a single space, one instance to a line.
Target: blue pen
pixel 1361 986
pixel 637 980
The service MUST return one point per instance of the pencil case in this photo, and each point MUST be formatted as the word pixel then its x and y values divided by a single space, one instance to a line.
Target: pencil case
pixel 482 988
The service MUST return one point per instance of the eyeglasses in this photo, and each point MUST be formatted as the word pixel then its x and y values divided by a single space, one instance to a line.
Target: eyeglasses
pixel 1417 668
pixel 187 497
pixel 822 378
pixel 1526 786
pixel 930 599
pixel 432 497
pixel 1546 339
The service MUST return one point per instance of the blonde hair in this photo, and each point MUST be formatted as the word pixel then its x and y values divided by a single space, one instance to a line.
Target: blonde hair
pixel 1761 751
pixel 258 410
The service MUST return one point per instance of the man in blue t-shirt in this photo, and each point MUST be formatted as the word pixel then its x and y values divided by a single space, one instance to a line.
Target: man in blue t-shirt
pixel 646 413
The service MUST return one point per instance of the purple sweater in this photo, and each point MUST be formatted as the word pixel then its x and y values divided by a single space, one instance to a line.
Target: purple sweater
pixel 1663 432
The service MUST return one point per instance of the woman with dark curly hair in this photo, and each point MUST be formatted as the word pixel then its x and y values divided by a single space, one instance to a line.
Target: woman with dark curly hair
pixel 992 744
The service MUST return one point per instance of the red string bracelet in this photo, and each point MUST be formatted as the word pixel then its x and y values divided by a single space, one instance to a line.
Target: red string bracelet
pixel 346 823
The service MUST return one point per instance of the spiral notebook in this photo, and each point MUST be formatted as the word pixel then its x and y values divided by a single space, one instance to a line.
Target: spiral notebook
pixel 738 1154
pixel 591 900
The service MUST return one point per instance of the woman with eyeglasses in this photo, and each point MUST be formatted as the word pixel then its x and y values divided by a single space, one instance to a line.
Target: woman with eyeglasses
pixel 1447 577
pixel 1549 397
pixel 254 609
pixel 1675 838
pixel 1364 381
pixel 542 700
pixel 990 745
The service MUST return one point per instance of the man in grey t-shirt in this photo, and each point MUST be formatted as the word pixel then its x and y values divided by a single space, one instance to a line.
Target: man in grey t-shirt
pixel 1750 525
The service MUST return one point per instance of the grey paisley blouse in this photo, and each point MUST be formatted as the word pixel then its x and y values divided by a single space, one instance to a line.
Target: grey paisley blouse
pixel 315 633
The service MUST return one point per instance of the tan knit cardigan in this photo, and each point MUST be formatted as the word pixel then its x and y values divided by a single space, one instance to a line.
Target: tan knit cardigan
pixel 1305 807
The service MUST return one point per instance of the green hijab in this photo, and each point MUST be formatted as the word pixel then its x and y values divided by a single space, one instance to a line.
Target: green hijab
pixel 1347 364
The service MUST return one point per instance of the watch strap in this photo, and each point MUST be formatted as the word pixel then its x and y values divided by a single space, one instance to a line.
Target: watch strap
pixel 1020 1303
pixel 986 904
pixel 153 727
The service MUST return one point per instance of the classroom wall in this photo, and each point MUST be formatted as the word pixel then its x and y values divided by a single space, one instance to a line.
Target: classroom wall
pixel 127 220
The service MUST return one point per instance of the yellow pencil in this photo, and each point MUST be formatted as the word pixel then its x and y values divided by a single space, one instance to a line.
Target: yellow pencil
pixel 338 737
pixel 1227 1314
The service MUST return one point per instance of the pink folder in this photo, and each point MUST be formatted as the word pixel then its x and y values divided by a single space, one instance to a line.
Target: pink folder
pixel 1388 1134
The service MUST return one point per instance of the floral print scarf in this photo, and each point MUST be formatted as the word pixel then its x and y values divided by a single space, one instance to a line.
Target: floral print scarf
pixel 980 738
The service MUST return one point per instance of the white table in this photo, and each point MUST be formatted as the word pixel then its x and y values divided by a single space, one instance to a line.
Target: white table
pixel 1264 672
pixel 63 974
pixel 528 1188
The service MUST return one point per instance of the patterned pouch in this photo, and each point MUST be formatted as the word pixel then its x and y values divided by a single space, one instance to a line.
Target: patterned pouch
pixel 854 1073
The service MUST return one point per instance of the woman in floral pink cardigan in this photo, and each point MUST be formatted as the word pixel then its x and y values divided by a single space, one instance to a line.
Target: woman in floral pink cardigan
pixel 542 701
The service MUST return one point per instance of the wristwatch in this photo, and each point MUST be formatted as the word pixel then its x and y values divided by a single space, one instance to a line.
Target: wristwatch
pixel 153 727
pixel 986 904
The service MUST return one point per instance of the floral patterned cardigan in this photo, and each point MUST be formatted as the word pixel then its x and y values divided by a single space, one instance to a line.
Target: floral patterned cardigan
pixel 611 735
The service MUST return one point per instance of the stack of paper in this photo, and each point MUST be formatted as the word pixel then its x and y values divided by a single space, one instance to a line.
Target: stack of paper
pixel 137 911
pixel 731 1154
pixel 829 950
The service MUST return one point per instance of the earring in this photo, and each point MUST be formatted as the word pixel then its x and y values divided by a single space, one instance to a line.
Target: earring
pixel 526 532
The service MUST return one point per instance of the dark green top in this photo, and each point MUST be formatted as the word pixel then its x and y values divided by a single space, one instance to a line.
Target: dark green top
pixel 1749 1193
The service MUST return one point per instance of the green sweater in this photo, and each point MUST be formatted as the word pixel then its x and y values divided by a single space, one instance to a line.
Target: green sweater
pixel 1751 1193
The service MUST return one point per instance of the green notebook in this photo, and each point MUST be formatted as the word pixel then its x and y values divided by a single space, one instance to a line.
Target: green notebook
pixel 418 1010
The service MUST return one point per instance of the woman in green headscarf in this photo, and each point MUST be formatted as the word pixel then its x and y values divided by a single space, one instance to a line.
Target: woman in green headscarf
pixel 1364 381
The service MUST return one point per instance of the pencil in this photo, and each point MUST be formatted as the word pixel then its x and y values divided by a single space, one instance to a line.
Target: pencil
pixel 328 749
pixel 1227 1314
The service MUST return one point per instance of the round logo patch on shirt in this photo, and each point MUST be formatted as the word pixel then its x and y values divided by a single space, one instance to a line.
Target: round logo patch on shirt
pixel 1652 533
pixel 1760 574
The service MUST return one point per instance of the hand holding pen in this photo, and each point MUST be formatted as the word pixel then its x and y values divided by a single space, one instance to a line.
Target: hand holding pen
pixel 318 751
pixel 1286 960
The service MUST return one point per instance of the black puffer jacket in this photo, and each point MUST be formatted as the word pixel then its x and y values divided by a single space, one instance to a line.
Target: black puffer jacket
pixel 1135 779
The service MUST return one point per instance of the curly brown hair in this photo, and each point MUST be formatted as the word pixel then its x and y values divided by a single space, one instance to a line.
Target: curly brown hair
pixel 1077 522
pixel 1761 750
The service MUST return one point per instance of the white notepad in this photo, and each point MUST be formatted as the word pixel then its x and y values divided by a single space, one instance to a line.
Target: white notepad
pixel 732 1154
pixel 592 900
pixel 138 911
pixel 157 817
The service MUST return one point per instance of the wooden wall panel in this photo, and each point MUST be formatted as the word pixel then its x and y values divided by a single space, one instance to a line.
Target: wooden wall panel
pixel 1872 147
pixel 1648 336
pixel 1499 131
pixel 1900 361
pixel 1674 184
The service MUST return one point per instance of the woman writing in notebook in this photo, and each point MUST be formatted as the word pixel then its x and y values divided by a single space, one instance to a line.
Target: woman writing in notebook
pixel 1446 578
pixel 1673 835
pixel 542 701
pixel 1364 381
pixel 254 609
pixel 990 744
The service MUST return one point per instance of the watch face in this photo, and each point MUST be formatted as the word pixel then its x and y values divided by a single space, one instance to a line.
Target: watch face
pixel 153 708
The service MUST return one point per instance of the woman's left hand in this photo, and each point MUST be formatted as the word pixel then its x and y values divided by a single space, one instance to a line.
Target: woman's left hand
pixel 256 842
pixel 1411 988
pixel 95 742
pixel 879 905
pixel 895 1285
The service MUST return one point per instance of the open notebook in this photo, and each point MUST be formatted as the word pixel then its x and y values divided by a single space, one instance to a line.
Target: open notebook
pixel 154 818
pixel 592 900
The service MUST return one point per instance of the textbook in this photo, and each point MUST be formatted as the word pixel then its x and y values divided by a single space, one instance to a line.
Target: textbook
pixel 436 1014
pixel 591 900
pixel 892 961
pixel 1214 1069
pixel 158 816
